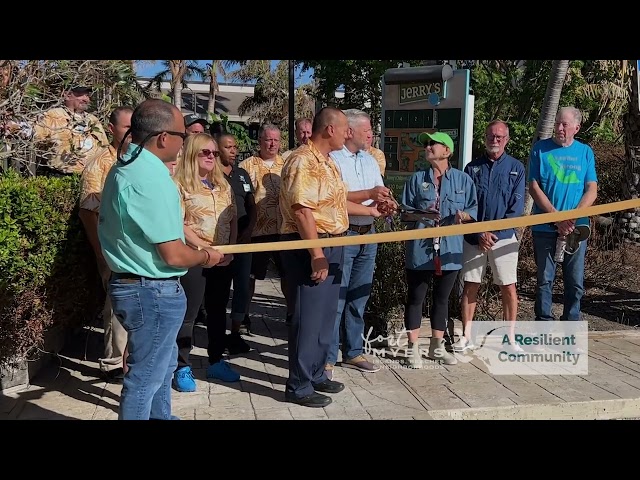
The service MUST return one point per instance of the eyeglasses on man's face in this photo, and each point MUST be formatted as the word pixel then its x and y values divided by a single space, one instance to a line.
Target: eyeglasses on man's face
pixel 205 152
pixel 182 135
pixel 497 137
pixel 431 143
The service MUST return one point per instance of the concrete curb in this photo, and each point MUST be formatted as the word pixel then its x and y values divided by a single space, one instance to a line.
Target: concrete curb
pixel 589 410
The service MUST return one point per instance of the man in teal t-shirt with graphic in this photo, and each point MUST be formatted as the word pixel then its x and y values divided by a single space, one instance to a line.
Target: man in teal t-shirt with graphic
pixel 562 176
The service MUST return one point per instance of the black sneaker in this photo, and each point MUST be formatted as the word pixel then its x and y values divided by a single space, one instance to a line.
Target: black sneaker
pixel 114 376
pixel 236 344
pixel 245 326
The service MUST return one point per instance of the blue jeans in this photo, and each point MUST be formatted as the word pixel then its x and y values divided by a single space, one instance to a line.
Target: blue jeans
pixel 151 311
pixel 355 289
pixel 544 248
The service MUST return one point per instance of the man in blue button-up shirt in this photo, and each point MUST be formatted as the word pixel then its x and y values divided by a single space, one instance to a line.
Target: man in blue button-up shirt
pixel 360 171
pixel 500 182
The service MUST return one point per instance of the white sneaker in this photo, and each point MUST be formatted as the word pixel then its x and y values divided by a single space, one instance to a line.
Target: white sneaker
pixel 463 345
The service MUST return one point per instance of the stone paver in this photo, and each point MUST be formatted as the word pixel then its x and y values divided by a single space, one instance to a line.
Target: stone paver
pixel 70 388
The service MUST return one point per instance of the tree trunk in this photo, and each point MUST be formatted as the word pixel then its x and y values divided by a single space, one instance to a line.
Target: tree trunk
pixel 177 95
pixel 213 73
pixel 548 113
pixel 629 221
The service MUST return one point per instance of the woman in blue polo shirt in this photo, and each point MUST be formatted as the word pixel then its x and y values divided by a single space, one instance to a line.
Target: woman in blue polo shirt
pixel 444 196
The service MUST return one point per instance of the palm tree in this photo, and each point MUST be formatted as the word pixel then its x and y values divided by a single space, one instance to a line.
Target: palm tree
pixel 548 114
pixel 630 220
pixel 215 68
pixel 270 100
pixel 177 71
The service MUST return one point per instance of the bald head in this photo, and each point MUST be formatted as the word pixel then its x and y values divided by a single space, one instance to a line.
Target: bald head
pixel 325 117
pixel 153 116
pixel 330 129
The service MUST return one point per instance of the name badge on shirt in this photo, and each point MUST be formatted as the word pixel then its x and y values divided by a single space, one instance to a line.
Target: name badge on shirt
pixel 247 187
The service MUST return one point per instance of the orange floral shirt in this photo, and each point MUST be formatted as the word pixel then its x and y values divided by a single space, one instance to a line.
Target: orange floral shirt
pixel 380 158
pixel 312 180
pixel 75 138
pixel 93 177
pixel 266 184
pixel 209 213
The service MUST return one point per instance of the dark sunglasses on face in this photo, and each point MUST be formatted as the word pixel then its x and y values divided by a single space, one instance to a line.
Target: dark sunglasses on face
pixel 431 143
pixel 207 153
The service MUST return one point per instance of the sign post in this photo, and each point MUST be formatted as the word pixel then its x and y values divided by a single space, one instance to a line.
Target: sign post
pixel 424 99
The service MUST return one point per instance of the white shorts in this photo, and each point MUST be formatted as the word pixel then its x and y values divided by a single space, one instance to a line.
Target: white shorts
pixel 503 259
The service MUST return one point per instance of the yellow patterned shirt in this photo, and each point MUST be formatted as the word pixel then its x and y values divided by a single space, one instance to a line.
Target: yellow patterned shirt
pixel 312 180
pixel 380 158
pixel 209 213
pixel 266 184
pixel 74 137
pixel 93 177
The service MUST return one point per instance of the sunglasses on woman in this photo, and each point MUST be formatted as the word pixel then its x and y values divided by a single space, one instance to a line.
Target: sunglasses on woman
pixel 205 152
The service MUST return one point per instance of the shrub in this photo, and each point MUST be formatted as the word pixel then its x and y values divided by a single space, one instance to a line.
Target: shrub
pixel 47 270
pixel 389 290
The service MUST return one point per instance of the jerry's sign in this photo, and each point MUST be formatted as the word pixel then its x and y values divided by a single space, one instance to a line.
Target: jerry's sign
pixel 418 92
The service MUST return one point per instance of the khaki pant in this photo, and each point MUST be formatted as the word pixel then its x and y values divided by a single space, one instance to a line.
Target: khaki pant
pixel 115 336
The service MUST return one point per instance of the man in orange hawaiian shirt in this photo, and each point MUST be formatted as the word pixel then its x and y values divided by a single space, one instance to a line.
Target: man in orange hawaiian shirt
pixel 264 170
pixel 112 364
pixel 313 199
pixel 303 132
pixel 377 154
pixel 74 134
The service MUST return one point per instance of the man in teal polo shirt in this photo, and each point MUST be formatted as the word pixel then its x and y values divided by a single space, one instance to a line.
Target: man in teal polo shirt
pixel 142 240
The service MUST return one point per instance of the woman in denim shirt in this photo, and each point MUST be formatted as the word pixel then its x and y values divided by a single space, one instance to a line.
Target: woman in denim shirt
pixel 438 196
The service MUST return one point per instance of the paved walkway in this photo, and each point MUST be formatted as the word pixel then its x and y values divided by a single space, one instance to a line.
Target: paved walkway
pixel 69 387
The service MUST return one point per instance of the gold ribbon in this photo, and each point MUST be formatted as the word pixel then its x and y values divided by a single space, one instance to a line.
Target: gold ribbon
pixel 473 227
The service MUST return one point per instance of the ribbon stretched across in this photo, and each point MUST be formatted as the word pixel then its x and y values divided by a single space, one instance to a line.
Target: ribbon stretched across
pixel 473 227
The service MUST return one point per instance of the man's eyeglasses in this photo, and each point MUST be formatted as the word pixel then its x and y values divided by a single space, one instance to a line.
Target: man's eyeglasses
pixel 138 150
pixel 205 152
pixel 497 137
pixel 431 143
pixel 184 135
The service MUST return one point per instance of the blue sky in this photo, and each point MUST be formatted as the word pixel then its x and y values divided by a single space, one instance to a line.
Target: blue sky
pixel 149 70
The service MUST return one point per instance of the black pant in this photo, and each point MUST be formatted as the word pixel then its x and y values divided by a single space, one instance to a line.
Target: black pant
pixel 311 329
pixel 216 297
pixel 417 285
pixel 193 283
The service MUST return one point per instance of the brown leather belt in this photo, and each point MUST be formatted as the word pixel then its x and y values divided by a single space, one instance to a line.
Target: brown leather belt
pixel 331 235
pixel 360 229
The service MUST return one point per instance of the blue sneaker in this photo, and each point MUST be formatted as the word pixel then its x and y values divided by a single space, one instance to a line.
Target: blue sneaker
pixel 183 380
pixel 222 371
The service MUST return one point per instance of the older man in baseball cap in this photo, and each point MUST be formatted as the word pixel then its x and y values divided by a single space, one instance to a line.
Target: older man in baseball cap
pixel 195 123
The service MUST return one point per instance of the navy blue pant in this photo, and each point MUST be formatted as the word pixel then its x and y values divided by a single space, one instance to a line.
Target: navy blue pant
pixel 311 329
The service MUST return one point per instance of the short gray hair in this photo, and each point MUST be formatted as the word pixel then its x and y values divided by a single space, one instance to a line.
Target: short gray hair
pixel 575 113
pixel 265 127
pixel 354 115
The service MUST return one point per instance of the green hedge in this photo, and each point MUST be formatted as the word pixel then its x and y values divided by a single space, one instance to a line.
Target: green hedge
pixel 47 269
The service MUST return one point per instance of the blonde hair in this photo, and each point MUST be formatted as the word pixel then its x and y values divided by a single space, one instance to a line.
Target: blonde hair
pixel 187 172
